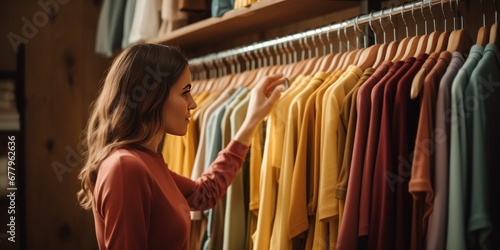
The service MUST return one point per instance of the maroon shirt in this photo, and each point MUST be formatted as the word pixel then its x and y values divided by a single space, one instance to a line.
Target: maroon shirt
pixel 377 97
pixel 405 123
pixel 348 233
pixel 383 191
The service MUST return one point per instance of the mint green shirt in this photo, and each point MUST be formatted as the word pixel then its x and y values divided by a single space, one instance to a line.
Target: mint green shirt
pixel 458 153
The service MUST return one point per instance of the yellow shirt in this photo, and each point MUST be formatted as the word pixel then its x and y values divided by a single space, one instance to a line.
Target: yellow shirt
pixel 269 172
pixel 318 233
pixel 328 209
pixel 281 238
pixel 300 192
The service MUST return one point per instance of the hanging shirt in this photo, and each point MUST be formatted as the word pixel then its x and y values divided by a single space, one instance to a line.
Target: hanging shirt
pixel 481 106
pixel 317 233
pixel 347 129
pixel 215 226
pixel 458 154
pixel 423 158
pixel 436 233
pixel 328 206
pixel 348 233
pixel 236 207
pixel 303 175
pixel 280 238
pixel 199 161
pixel 382 226
pixel 377 95
pixel 139 203
pixel 273 149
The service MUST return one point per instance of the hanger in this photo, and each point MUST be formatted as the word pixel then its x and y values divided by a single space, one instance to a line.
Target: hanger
pixel 494 32
pixel 422 41
pixel 392 47
pixel 411 47
pixel 311 61
pixel 459 40
pixel 350 55
pixel 383 47
pixel 433 39
pixel 328 57
pixel 368 55
pixel 319 61
pixel 483 33
pixel 336 61
pixel 403 45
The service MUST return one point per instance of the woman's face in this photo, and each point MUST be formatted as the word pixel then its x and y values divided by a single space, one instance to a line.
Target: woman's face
pixel 176 109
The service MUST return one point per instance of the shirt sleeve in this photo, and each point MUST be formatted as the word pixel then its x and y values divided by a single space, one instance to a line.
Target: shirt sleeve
pixel 123 199
pixel 205 191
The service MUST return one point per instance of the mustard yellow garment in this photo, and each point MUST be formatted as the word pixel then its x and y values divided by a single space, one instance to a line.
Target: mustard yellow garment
pixel 271 159
pixel 302 178
pixel 319 234
pixel 328 208
pixel 281 238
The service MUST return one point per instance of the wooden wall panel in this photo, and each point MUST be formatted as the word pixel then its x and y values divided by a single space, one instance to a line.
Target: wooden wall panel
pixel 62 77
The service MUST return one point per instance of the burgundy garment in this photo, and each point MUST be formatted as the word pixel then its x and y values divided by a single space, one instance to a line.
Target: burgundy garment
pixel 348 233
pixel 377 97
pixel 405 123
pixel 382 227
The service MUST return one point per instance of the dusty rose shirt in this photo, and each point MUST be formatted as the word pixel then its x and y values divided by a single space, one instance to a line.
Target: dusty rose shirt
pixel 140 204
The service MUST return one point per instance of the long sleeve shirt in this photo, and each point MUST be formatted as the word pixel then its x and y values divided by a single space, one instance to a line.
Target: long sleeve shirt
pixel 140 204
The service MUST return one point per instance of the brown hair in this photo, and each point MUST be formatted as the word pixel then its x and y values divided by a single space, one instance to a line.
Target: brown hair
pixel 128 108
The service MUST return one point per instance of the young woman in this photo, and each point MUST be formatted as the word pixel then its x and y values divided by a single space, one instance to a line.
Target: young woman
pixel 137 202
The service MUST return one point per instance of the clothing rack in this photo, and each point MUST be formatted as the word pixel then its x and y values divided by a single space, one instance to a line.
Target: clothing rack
pixel 231 55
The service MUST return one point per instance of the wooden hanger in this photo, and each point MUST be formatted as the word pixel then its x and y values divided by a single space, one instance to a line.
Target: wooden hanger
pixel 483 33
pixel 433 38
pixel 411 47
pixel 403 45
pixel 460 40
pixel 381 51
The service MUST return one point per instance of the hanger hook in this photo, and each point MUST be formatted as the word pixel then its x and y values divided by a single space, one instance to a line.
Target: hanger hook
pixel 454 15
pixel 320 36
pixel 271 62
pixel 404 21
pixel 432 15
pixel 294 52
pixel 496 12
pixel 281 46
pixel 302 50
pixel 339 39
pixel 444 16
pixel 382 26
pixel 365 43
pixel 329 41
pixel 425 19
pixel 392 23
pixel 371 27
pixel 287 51
pixel 313 40
pixel 345 35
pixel 414 20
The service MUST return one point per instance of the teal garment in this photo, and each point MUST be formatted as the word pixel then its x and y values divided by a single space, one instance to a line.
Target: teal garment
pixel 219 7
pixel 214 146
pixel 236 205
pixel 110 27
pixel 127 22
pixel 457 200
pixel 436 232
pixel 485 79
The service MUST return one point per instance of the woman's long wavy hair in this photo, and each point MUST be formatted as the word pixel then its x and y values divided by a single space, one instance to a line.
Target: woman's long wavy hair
pixel 128 109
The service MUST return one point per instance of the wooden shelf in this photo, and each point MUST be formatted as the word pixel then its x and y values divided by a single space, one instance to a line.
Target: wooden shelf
pixel 260 16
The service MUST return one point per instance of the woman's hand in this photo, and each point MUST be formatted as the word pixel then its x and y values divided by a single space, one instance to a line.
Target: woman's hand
pixel 263 97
